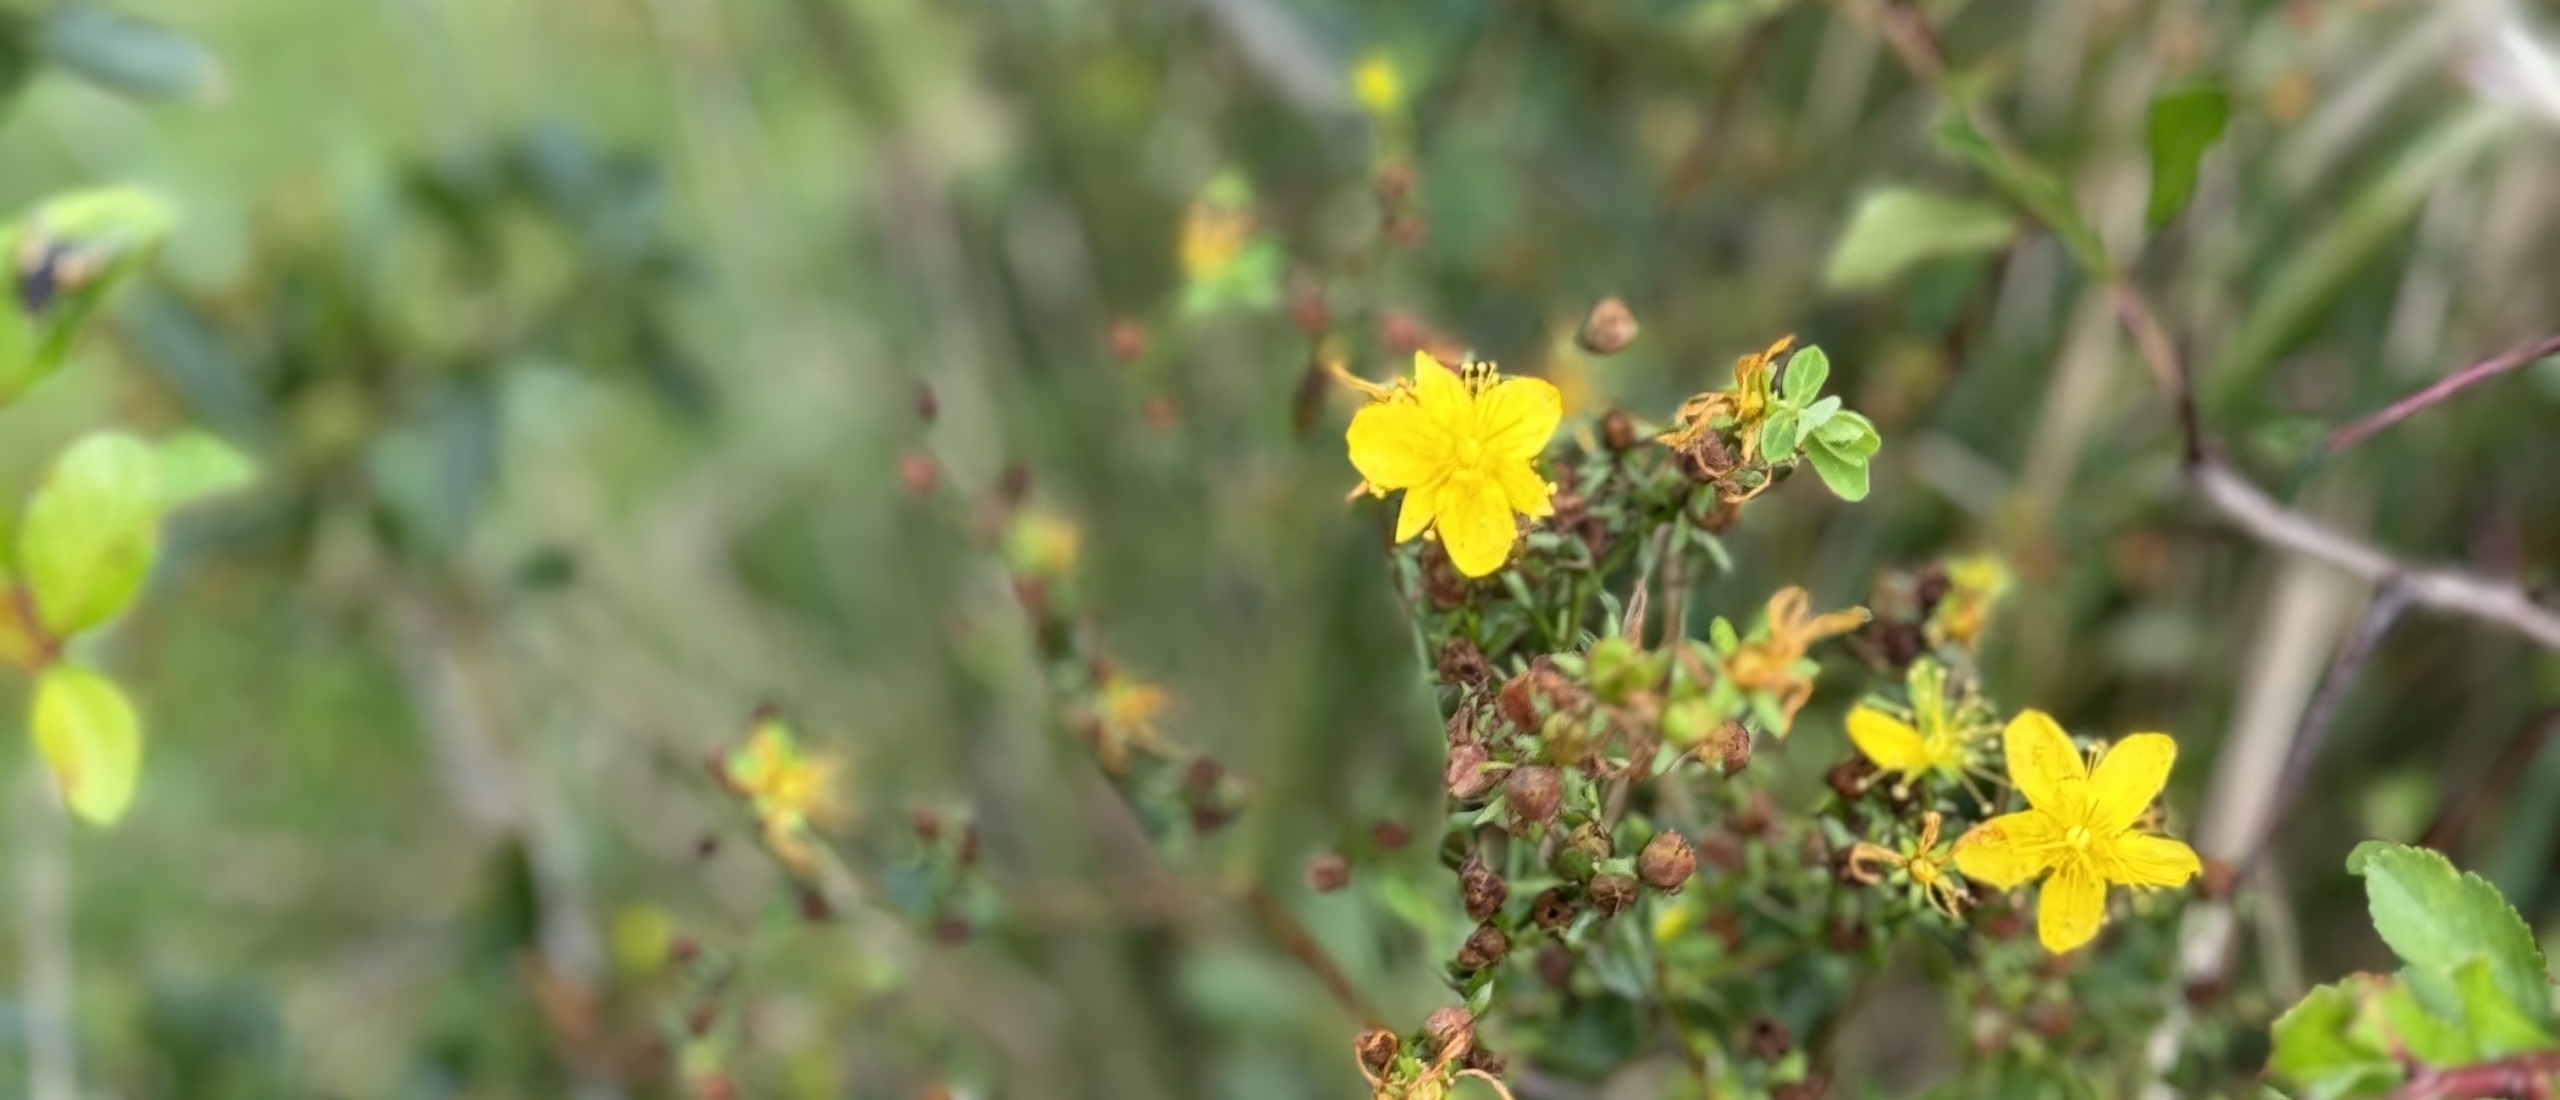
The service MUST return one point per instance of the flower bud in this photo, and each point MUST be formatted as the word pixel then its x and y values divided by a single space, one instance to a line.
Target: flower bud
pixel 1328 872
pixel 1667 862
pixel 928 406
pixel 2218 879
pixel 1551 910
pixel 1721 849
pixel 1573 865
pixel 1770 1040
pixel 1395 181
pixel 1618 430
pixel 1307 405
pixel 1128 341
pixel 1609 328
pixel 1307 308
pixel 1482 890
pixel 1389 835
pixel 1406 228
pixel 1442 584
pixel 1159 412
pixel 1850 778
pixel 1728 747
pixel 926 822
pixel 1446 1027
pixel 1534 793
pixel 1461 664
pixel 1484 948
pixel 1467 778
pixel 1613 894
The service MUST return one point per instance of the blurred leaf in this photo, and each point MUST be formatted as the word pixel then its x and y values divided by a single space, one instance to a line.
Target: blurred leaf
pixel 1898 226
pixel 2183 124
pixel 89 736
pixel 2030 185
pixel 90 531
pixel 64 258
pixel 2437 918
pixel 195 465
pixel 2318 1048
pixel 1806 373
pixel 128 55
pixel 1846 474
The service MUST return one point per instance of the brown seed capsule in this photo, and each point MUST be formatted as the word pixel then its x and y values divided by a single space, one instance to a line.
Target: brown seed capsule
pixel 1814 850
pixel 950 931
pixel 928 406
pixel 1769 1040
pixel 1850 778
pixel 1446 1026
pixel 1721 849
pixel 1484 948
pixel 1931 588
pixel 1395 181
pixel 1847 936
pixel 1128 341
pixel 1729 747
pixel 1609 328
pixel 1482 890
pixel 1569 510
pixel 1551 910
pixel 1461 664
pixel 1534 793
pixel 1480 1059
pixel 1406 228
pixel 1667 862
pixel 1617 429
pixel 1014 484
pixel 1613 894
pixel 1400 332
pixel 1328 872
pixel 2051 1018
pixel 927 823
pixel 1755 814
pixel 1519 701
pixel 715 1086
pixel 1726 928
pixel 682 950
pixel 1389 835
pixel 1555 965
pixel 1377 1048
pixel 1467 778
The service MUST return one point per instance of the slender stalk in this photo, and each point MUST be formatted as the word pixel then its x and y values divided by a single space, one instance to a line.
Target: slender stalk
pixel 44 938
pixel 2512 359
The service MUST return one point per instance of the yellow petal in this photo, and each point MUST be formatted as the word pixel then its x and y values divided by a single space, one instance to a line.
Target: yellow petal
pixel 2135 859
pixel 1475 524
pixel 1523 490
pixel 2127 778
pixel 1396 445
pixel 1787 609
pixel 2073 906
pixel 1440 390
pixel 2009 849
pixel 1888 741
pixel 1519 416
pixel 1416 512
pixel 2043 765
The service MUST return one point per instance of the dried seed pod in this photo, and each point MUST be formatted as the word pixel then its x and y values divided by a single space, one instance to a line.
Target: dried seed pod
pixel 1484 948
pixel 1448 1026
pixel 1467 778
pixel 1609 327
pixel 1535 792
pixel 1667 862
pixel 1329 872
pixel 1613 894
pixel 1482 890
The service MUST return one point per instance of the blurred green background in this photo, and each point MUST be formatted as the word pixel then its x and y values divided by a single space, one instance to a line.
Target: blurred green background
pixel 580 342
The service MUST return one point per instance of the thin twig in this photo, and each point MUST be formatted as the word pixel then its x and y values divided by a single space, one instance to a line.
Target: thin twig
pixel 2513 359
pixel 2308 737
pixel 1294 937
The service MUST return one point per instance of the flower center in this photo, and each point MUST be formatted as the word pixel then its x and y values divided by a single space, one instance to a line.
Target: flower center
pixel 2078 837
pixel 1924 872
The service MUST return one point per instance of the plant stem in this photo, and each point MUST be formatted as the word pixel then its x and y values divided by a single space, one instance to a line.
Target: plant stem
pixel 44 938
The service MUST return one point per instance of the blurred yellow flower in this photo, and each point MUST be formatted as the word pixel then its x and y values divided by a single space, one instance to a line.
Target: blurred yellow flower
pixel 1770 663
pixel 789 790
pixel 1123 721
pixel 2079 825
pixel 1938 740
pixel 1041 545
pixel 1463 450
pixel 1974 586
pixel 1377 85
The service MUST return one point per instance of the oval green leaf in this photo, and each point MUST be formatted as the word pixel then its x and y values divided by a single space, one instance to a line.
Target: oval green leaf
pixel 86 730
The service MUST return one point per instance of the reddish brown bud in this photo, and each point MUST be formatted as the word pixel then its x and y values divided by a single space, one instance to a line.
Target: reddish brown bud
pixel 1721 849
pixel 1479 1058
pixel 1931 588
pixel 2051 1019
pixel 968 854
pixel 813 905
pixel 928 407
pixel 926 822
pixel 950 931
pixel 681 950
pixel 1328 872
pixel 1468 780
pixel 1667 862
pixel 1377 1048
pixel 1482 890
pixel 1570 510
pixel 1395 181
pixel 1389 835
pixel 1729 747
pixel 1555 965
pixel 1551 910
pixel 1406 228
pixel 1535 792
pixel 1726 928
pixel 1814 850
pixel 706 846
pixel 1610 327
pixel 2202 992
pixel 1850 778
pixel 1307 405
pixel 1519 705
pixel 1814 1085
pixel 1447 1026
pixel 1400 332
pixel 1484 948
pixel 1613 894
pixel 1014 485
pixel 2219 878
pixel 1461 664
pixel 714 1086
pixel 1769 1040
pixel 1617 429
pixel 1307 308
pixel 1847 936
pixel 2000 919
pixel 1128 341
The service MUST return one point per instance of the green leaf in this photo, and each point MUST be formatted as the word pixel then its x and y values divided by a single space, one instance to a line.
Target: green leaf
pixel 127 55
pixel 2436 919
pixel 1846 474
pixel 64 259
pixel 2425 1033
pixel 90 531
pixel 1721 633
pixel 1814 417
pixel 1778 434
pixel 2496 1025
pixel 88 735
pixel 2184 123
pixel 2029 185
pixel 2316 1049
pixel 1896 227
pixel 195 465
pixel 1806 372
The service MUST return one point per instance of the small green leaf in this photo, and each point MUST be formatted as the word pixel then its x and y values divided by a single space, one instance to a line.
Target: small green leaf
pixel 88 735
pixel 2316 1049
pixel 1846 474
pixel 1778 435
pixel 1814 417
pixel 1806 372
pixel 1852 435
pixel 2436 918
pixel 90 531
pixel 1897 227
pixel 2027 183
pixel 1721 633
pixel 2496 1025
pixel 195 465
pixel 128 55
pixel 63 259
pixel 2184 123
pixel 2426 1035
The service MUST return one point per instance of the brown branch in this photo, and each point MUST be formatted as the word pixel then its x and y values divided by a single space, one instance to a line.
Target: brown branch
pixel 2522 1077
pixel 1294 937
pixel 2313 731
pixel 2512 359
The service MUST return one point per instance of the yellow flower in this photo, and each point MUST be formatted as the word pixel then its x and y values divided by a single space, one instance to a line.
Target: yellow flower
pixel 1042 546
pixel 1974 585
pixel 2079 826
pixel 788 789
pixel 1124 721
pixel 1770 664
pixel 1939 740
pixel 1462 449
pixel 1375 83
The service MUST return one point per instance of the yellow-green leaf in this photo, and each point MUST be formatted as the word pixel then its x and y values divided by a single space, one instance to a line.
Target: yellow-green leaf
pixel 90 531
pixel 195 465
pixel 87 732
